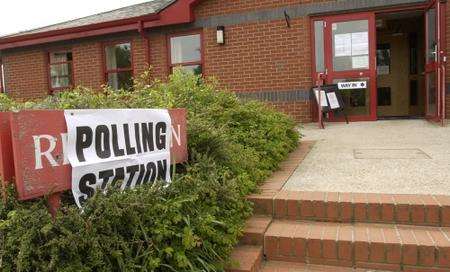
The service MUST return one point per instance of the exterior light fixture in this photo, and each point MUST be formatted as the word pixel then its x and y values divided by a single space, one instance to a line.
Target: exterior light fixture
pixel 220 35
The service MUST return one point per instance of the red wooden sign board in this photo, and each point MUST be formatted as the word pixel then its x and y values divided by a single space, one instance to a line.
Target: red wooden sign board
pixel 6 158
pixel 36 132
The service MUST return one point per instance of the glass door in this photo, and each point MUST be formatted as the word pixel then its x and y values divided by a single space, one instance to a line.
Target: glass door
pixel 434 54
pixel 344 50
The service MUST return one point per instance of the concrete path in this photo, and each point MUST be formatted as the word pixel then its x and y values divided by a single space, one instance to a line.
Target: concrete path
pixel 396 157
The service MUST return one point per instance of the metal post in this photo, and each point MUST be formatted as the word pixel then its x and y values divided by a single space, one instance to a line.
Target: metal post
pixel 319 106
pixel 444 91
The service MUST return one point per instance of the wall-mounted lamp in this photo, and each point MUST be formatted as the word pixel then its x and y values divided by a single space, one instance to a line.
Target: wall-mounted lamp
pixel 220 35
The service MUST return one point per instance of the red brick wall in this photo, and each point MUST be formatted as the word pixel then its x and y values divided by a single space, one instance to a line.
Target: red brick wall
pixel 299 110
pixel 26 74
pixel 140 57
pixel 158 54
pixel 247 63
pixel 261 56
pixel 264 56
pixel 222 7
pixel 87 64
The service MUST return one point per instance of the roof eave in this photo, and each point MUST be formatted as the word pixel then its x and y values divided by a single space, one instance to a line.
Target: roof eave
pixel 77 32
pixel 178 12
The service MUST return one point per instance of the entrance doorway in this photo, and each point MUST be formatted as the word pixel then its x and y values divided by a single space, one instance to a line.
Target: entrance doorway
pixel 396 56
pixel 344 51
pixel 401 65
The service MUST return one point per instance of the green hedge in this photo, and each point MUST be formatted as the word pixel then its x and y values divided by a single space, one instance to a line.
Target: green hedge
pixel 192 225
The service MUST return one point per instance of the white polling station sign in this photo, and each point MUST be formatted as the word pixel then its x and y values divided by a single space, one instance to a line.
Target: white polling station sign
pixel 108 146
pixel 352 85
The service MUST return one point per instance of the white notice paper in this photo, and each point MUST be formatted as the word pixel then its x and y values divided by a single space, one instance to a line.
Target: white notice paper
pixel 323 98
pixel 343 45
pixel 360 43
pixel 332 98
pixel 105 147
pixel 360 62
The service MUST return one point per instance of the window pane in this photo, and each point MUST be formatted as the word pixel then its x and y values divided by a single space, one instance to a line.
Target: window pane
pixel 431 39
pixel 194 69
pixel 351 45
pixel 356 101
pixel 118 56
pixel 413 93
pixel 384 96
pixel 60 75
pixel 319 46
pixel 60 57
pixel 121 80
pixel 432 94
pixel 383 59
pixel 185 49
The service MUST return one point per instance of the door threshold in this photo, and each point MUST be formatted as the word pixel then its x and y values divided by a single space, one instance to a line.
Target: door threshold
pixel 409 117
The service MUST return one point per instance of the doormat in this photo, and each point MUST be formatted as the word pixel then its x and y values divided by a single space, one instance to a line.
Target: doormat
pixel 390 154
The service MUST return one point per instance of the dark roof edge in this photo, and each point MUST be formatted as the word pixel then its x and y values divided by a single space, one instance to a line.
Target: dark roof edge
pixel 27 32
pixel 108 27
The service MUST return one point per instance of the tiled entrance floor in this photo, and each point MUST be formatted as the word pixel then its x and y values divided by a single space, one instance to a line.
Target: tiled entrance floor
pixel 394 157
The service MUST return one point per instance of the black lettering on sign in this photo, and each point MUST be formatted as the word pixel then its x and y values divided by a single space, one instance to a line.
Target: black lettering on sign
pixel 150 175
pixel 118 152
pixel 105 176
pixel 130 150
pixel 147 137
pixel 88 179
pixel 118 176
pixel 137 134
pixel 84 140
pixel 162 169
pixel 141 174
pixel 161 129
pixel 132 171
pixel 102 147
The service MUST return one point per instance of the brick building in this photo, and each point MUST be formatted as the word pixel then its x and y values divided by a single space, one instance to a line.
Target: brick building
pixel 272 50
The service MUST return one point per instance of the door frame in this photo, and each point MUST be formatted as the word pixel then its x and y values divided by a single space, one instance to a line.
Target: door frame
pixel 328 59
pixel 438 66
pixel 373 83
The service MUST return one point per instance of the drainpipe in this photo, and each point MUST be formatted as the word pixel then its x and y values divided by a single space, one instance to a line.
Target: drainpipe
pixel 141 31
pixel 2 76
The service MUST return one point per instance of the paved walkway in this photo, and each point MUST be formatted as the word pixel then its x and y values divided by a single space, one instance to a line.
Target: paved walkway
pixel 397 157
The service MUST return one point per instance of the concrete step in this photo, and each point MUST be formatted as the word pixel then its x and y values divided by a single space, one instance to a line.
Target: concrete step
pixel 246 259
pixel 361 245
pixel 254 230
pixel 424 210
pixel 274 266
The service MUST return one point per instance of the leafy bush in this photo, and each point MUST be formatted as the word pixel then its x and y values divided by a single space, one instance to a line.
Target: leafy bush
pixel 191 225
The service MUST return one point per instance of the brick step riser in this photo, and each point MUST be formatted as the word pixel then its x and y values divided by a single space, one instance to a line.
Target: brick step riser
pixel 278 266
pixel 246 259
pixel 360 253
pixel 349 212
pixel 254 230
pixel 252 239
